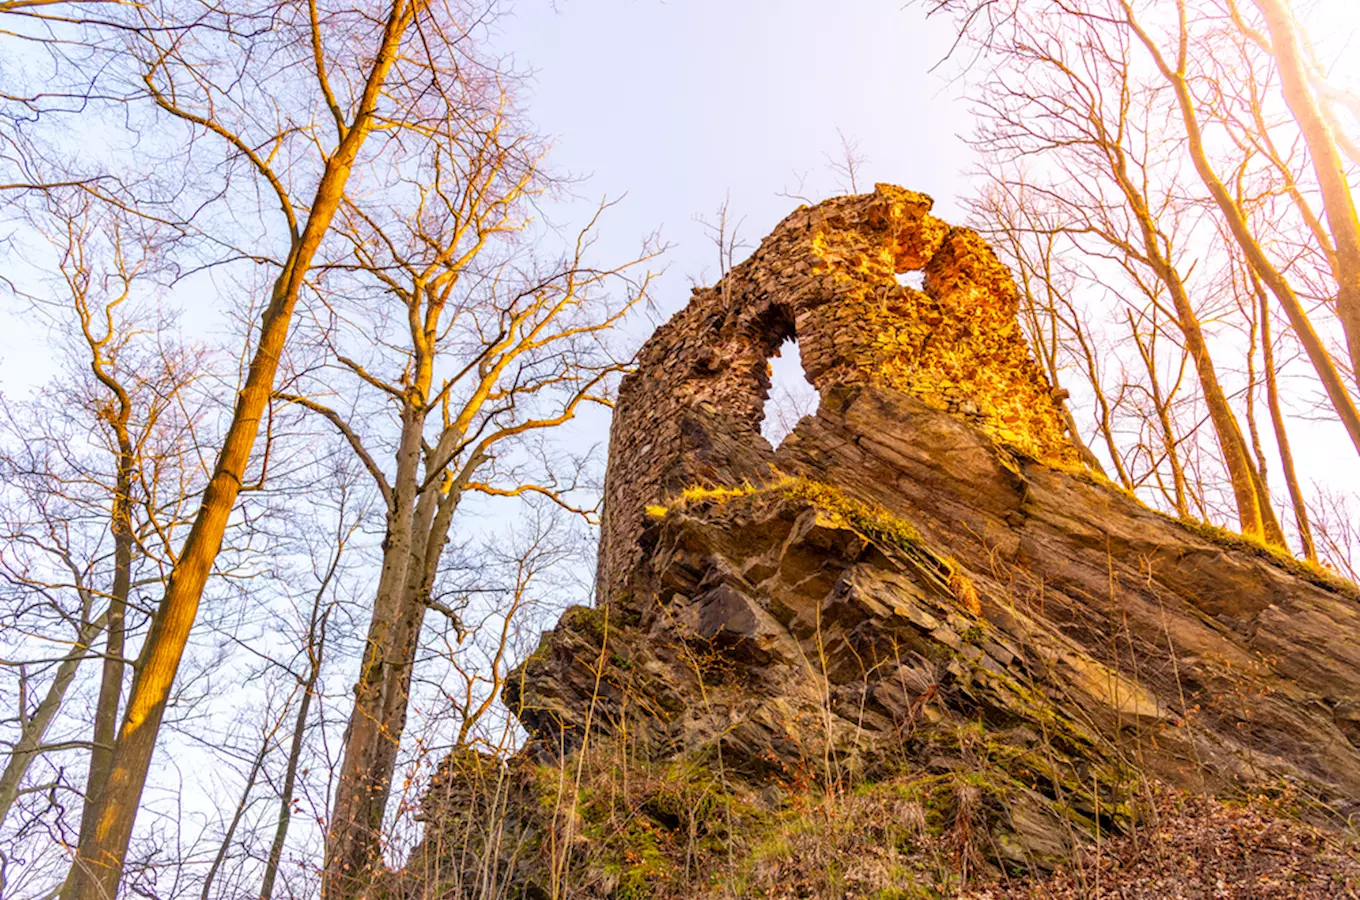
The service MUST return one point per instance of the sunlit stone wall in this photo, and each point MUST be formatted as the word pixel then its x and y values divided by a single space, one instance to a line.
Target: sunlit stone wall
pixel 826 275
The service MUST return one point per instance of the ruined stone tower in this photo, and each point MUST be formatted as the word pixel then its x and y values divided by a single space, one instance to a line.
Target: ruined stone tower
pixel 827 276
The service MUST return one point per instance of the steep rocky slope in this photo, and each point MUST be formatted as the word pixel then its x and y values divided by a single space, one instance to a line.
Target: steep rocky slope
pixel 921 630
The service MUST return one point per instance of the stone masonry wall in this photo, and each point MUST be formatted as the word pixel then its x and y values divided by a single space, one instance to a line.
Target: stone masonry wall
pixel 691 412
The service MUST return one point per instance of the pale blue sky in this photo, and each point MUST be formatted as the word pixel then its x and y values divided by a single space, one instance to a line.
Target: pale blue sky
pixel 679 103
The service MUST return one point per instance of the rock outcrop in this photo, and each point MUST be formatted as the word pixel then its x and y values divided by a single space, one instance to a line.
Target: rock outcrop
pixel 922 587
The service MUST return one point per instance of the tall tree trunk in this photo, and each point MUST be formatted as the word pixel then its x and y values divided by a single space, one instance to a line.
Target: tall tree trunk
pixel 1162 406
pixel 1338 203
pixel 120 525
pixel 98 866
pixel 353 851
pixel 1103 409
pixel 271 868
pixel 1291 477
pixel 1249 396
pixel 1260 468
pixel 316 642
pixel 1253 515
pixel 111 678
pixel 380 709
pixel 225 847
pixel 424 566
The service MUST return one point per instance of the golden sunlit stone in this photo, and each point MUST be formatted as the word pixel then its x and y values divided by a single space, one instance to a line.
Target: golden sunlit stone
pixel 827 276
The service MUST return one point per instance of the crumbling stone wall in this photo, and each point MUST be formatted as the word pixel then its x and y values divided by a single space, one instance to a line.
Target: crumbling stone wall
pixel 826 275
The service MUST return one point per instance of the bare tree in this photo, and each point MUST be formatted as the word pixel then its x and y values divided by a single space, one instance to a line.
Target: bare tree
pixel 313 650
pixel 1096 113
pixel 1031 242
pixel 185 75
pixel 1176 75
pixel 107 463
pixel 504 341
pixel 1089 118
pixel 847 166
pixel 1271 375
pixel 479 347
pixel 543 557
pixel 1286 46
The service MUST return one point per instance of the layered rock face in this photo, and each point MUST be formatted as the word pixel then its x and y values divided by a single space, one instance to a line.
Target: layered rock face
pixel 922 585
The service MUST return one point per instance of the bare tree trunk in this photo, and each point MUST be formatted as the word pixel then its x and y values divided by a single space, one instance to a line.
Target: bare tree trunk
pixel 271 869
pixel 1249 396
pixel 29 745
pixel 316 642
pixel 353 844
pixel 1047 346
pixel 111 679
pixel 431 475
pixel 379 716
pixel 97 868
pixel 1256 519
pixel 424 566
pixel 353 847
pixel 1161 405
pixel 241 806
pixel 1253 515
pixel 1260 468
pixel 1291 477
pixel 1338 203
pixel 1104 416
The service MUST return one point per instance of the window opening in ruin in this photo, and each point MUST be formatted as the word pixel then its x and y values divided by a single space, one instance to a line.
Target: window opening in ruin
pixel 791 395
pixel 912 279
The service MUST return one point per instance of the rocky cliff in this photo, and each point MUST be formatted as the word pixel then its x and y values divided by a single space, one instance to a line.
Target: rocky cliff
pixel 919 644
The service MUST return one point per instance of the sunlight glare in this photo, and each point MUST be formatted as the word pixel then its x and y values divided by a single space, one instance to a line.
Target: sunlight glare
pixel 1333 27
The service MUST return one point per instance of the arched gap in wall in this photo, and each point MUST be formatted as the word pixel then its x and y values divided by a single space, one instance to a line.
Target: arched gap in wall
pixel 912 278
pixel 791 395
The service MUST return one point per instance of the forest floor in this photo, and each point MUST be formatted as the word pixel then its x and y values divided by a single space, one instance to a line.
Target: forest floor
pixel 1197 847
